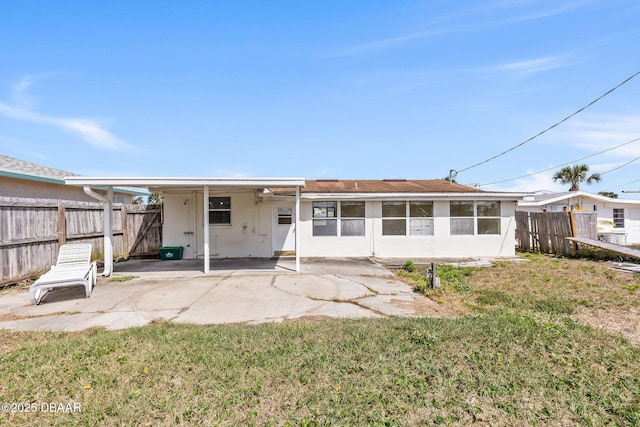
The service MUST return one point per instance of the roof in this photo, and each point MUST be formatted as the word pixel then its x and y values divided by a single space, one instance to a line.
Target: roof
pixel 385 188
pixel 531 200
pixel 16 168
pixel 21 169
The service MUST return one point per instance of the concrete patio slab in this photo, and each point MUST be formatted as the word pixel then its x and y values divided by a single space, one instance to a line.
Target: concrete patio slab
pixel 236 291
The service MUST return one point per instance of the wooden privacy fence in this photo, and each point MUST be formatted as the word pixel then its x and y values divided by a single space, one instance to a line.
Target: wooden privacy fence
pixel 547 231
pixel 32 230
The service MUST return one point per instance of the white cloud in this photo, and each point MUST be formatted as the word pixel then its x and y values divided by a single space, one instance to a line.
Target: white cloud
pixel 381 44
pixel 533 65
pixel 92 131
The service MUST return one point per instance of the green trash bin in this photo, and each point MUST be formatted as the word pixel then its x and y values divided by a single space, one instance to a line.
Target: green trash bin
pixel 171 252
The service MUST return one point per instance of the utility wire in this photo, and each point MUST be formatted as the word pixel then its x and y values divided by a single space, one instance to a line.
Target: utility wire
pixel 552 126
pixel 568 163
pixel 621 166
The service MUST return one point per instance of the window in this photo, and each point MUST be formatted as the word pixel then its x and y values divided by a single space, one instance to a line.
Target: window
pixel 618 217
pixel 488 217
pixel 469 218
pixel 398 217
pixel 285 216
pixel 421 218
pixel 352 218
pixel 394 218
pixel 325 218
pixel 350 215
pixel 461 217
pixel 220 210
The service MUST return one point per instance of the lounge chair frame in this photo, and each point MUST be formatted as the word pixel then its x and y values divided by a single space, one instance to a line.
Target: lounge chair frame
pixel 73 268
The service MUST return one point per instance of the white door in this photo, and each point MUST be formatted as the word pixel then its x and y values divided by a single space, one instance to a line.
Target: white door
pixel 284 242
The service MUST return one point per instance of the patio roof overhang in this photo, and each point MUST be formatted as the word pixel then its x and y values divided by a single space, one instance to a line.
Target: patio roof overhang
pixel 170 184
pixel 186 183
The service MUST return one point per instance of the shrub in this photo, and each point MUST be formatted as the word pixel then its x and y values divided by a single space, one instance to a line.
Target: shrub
pixel 409 266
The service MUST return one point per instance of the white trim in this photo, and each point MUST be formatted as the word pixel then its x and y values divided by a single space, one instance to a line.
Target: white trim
pixel 186 181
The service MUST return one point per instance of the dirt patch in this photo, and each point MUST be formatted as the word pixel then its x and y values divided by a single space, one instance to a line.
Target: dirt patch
pixel 625 323
pixel 7 317
pixel 424 306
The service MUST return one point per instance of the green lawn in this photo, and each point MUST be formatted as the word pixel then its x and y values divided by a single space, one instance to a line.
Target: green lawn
pixel 507 359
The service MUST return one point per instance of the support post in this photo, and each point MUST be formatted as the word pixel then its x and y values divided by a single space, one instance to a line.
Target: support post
pixel 108 234
pixel 205 235
pixel 297 229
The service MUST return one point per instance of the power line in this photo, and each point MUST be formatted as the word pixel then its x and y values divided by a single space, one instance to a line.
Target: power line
pixel 621 166
pixel 552 126
pixel 566 164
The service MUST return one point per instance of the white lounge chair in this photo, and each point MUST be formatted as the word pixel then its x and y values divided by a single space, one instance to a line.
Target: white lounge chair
pixel 73 267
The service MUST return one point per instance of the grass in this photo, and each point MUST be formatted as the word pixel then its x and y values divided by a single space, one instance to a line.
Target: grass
pixel 502 369
pixel 121 278
pixel 514 355
pixel 543 284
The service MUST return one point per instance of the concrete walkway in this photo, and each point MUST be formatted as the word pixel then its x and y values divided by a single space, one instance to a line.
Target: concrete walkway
pixel 236 291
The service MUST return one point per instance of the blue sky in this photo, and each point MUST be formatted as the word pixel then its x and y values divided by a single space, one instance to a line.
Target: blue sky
pixel 327 89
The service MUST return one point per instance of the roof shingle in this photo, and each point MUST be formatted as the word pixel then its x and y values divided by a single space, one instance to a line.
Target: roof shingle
pixel 357 186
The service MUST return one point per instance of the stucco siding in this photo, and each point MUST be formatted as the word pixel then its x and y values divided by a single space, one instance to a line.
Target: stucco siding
pixel 252 221
pixel 12 187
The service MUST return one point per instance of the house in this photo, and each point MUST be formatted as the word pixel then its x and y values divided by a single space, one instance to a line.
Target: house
pixel 19 178
pixel 265 217
pixel 618 219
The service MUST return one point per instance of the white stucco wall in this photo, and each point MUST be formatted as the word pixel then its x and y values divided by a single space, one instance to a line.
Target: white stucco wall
pixel 248 235
pixel 441 244
pixel 250 232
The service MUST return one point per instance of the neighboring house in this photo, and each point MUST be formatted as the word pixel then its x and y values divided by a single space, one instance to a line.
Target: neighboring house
pixel 19 178
pixel 618 219
pixel 257 217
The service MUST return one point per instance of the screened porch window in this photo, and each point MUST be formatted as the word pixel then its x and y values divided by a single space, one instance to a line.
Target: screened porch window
pixel 469 218
pixel 347 218
pixel 220 210
pixel 394 218
pixel 461 217
pixel 352 218
pixel 325 218
pixel 488 217
pixel 421 218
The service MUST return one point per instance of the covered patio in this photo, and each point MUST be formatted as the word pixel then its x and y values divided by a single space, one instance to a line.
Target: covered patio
pixel 101 188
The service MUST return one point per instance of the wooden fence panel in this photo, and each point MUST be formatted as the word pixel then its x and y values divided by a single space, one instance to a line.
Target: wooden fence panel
pixel 586 224
pixel 32 230
pixel 144 230
pixel 544 232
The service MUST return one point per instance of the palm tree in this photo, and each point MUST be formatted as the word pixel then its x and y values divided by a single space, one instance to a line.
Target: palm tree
pixel 574 175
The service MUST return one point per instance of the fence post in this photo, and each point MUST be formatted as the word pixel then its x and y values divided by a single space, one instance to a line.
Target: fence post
pixel 61 224
pixel 124 213
pixel 574 233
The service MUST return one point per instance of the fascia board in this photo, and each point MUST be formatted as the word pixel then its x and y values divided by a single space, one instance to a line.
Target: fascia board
pixel 27 177
pixel 186 181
